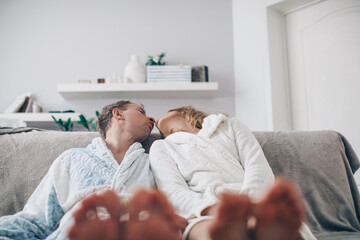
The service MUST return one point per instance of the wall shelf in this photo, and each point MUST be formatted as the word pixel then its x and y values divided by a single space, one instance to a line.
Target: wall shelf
pixel 40 117
pixel 139 90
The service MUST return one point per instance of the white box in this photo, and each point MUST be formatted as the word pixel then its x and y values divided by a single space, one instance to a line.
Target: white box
pixel 170 73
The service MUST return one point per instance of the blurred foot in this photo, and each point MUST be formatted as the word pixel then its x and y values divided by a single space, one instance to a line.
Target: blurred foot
pixel 279 214
pixel 91 225
pixel 152 217
pixel 231 219
pixel 147 216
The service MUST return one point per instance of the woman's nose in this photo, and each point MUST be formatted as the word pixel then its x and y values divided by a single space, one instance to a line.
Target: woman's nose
pixel 156 122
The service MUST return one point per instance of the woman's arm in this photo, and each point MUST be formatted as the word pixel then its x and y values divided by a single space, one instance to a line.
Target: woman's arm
pixel 171 182
pixel 258 174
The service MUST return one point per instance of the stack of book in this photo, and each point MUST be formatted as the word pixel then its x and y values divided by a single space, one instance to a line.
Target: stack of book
pixel 169 73
pixel 21 104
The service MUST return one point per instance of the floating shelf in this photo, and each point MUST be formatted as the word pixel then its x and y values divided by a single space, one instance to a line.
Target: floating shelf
pixel 40 117
pixel 139 90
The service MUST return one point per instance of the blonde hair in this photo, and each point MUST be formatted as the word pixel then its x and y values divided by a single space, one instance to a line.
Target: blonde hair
pixel 192 115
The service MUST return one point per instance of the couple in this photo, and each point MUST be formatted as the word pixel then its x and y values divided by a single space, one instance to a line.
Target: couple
pixel 201 157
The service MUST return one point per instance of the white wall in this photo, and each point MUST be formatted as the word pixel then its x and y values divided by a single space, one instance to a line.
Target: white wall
pixel 251 64
pixel 43 43
pixel 253 78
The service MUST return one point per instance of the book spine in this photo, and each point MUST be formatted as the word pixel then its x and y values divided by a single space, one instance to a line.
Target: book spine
pixel 206 74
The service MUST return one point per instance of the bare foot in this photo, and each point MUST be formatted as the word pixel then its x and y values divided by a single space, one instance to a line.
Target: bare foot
pixel 231 218
pixel 152 217
pixel 279 215
pixel 90 226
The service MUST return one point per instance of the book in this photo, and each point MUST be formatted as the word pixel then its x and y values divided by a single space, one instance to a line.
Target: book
pixel 200 74
pixel 24 106
pixel 20 104
pixel 29 106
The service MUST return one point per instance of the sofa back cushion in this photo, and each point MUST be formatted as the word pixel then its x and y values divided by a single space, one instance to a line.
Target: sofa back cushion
pixel 321 164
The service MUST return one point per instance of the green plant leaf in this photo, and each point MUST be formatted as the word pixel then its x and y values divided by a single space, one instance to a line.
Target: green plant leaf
pixel 64 126
pixel 84 122
pixel 54 119
pixel 90 120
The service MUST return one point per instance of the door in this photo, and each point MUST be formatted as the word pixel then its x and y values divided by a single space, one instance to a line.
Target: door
pixel 324 67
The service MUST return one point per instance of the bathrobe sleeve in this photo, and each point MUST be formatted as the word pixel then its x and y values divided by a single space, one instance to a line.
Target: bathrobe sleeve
pixel 41 214
pixel 258 175
pixel 169 180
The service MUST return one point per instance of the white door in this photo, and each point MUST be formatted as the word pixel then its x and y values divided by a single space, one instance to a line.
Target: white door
pixel 324 67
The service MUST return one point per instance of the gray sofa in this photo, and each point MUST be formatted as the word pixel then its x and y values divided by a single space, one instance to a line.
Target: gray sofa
pixel 321 164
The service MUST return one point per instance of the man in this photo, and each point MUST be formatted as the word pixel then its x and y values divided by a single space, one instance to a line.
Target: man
pixel 115 161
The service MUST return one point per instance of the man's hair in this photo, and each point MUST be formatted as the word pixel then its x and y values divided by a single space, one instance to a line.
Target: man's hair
pixel 105 116
pixel 192 115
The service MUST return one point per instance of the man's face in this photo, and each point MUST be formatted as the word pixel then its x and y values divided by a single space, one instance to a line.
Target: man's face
pixel 137 122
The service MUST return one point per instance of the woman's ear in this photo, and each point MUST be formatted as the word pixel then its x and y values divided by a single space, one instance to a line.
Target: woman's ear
pixel 117 114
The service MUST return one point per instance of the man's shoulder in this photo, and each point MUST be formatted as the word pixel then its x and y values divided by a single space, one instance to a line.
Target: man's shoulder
pixel 73 153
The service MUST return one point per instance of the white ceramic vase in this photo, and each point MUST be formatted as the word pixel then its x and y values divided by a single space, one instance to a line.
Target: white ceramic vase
pixel 135 72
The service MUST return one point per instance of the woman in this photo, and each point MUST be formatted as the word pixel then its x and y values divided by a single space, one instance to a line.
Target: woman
pixel 202 157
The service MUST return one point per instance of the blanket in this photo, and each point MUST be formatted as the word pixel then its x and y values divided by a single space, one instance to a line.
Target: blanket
pixel 322 165
pixel 9 130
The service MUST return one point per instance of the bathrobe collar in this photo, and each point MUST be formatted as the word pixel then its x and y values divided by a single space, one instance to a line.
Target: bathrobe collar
pixel 98 147
pixel 210 124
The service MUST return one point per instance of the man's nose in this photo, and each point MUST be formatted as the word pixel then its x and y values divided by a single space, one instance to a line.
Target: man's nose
pixel 152 120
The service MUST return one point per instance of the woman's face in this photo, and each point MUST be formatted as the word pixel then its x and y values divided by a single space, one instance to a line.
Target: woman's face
pixel 173 122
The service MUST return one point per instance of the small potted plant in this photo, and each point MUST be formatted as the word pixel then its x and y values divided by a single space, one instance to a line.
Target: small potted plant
pixel 158 71
pixel 156 60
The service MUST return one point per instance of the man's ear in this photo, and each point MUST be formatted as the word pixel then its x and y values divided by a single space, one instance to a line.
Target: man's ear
pixel 117 114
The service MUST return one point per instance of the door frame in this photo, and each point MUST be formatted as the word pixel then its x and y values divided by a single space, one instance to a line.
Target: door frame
pixel 280 99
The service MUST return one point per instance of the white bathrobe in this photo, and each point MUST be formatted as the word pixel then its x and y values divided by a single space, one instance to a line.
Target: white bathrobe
pixel 192 170
pixel 74 175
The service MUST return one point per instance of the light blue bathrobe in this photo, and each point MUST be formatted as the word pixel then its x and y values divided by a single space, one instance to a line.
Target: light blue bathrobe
pixel 74 175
